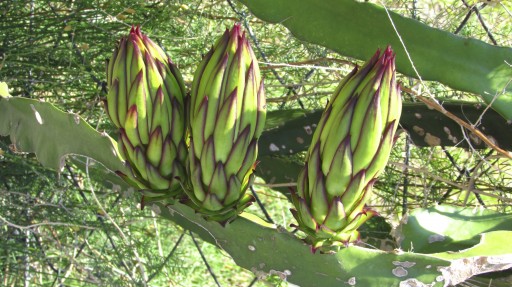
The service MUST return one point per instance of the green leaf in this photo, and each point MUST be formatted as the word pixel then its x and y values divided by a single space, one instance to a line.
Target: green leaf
pixel 449 228
pixel 265 249
pixel 492 253
pixel 52 134
pixel 288 136
pixel 278 118
pixel 356 29
pixel 269 250
pixel 377 232
pixel 426 127
pixel 429 127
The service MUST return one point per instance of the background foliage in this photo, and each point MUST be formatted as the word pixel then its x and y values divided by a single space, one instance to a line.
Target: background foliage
pixel 65 229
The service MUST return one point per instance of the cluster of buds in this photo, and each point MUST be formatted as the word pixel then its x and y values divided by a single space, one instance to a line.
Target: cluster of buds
pixel 147 103
pixel 202 149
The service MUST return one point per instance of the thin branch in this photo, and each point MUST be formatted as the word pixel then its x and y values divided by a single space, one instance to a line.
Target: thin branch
pixel 292 90
pixel 26 227
pixel 481 19
pixel 310 64
pixel 271 185
pixel 260 204
pixel 37 240
pixel 449 182
pixel 175 247
pixel 253 282
pixel 464 22
pixel 297 96
pixel 406 174
pixel 436 106
pixel 204 259
pixel 120 231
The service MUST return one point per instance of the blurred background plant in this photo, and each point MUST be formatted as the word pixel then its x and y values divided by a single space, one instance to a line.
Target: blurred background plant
pixel 65 229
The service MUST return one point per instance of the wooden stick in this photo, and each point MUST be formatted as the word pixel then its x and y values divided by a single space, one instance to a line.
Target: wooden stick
pixel 436 106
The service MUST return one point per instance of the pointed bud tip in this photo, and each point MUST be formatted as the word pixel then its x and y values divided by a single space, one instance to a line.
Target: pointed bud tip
pixel 388 51
pixel 135 31
pixel 367 210
pixel 388 57
pixel 254 165
pixel 237 33
pixel 236 29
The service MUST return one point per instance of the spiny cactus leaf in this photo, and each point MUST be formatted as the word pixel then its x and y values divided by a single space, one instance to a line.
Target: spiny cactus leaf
pixel 449 228
pixel 268 250
pixel 356 29
pixel 97 172
pixel 492 253
pixel 52 134
pixel 276 119
pixel 494 279
pixel 426 127
pixel 376 232
pixel 289 137
pixel 253 244
pixel 429 127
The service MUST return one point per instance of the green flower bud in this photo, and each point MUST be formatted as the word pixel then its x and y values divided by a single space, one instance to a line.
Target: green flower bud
pixel 146 103
pixel 227 115
pixel 350 147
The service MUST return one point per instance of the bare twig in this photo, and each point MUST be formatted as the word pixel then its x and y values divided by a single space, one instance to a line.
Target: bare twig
pixel 256 43
pixel 271 185
pixel 296 96
pixel 210 270
pixel 120 231
pixel 26 227
pixel 260 204
pixel 481 19
pixel 307 64
pixel 449 182
pixel 406 174
pixel 175 247
pixel 436 106
pixel 464 22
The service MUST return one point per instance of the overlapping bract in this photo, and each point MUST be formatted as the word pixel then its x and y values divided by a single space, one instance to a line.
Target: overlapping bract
pixel 350 147
pixel 146 102
pixel 227 114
